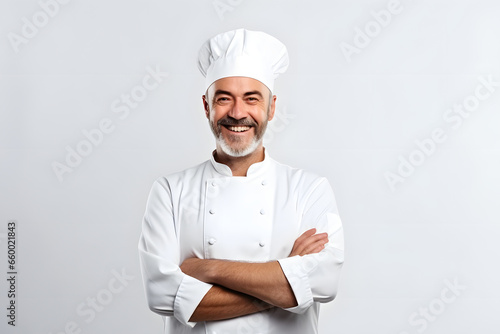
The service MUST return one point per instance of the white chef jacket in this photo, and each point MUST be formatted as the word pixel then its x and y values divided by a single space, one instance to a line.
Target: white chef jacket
pixel 208 213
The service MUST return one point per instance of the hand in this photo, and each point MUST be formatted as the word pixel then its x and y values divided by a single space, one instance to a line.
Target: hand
pixel 309 243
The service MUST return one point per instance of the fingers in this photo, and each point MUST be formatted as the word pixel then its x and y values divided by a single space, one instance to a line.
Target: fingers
pixel 313 243
pixel 305 235
pixel 316 245
pixel 309 243
pixel 298 245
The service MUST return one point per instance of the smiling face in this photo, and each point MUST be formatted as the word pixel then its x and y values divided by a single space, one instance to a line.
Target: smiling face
pixel 238 109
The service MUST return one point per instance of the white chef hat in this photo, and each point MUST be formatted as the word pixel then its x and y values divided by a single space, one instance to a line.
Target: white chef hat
pixel 243 53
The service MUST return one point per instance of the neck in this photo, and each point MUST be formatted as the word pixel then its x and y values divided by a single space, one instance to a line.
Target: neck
pixel 239 165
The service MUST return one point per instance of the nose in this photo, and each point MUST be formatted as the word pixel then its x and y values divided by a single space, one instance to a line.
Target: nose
pixel 238 109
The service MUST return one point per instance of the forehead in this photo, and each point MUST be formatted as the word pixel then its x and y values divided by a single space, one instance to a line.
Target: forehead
pixel 238 86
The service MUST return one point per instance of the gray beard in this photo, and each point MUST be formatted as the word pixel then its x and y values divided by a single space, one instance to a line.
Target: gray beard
pixel 250 148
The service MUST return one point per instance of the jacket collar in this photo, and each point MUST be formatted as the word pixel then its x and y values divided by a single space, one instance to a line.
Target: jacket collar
pixel 254 170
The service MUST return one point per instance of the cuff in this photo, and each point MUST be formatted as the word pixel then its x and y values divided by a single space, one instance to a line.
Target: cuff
pixel 189 295
pixel 299 282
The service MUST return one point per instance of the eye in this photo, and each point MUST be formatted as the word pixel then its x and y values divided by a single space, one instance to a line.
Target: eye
pixel 223 99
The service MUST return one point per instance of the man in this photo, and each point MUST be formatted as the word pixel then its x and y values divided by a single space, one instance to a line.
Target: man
pixel 241 243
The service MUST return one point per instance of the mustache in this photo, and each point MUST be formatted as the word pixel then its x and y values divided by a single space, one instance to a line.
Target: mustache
pixel 228 121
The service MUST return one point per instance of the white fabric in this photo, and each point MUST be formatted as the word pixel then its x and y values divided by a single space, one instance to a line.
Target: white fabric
pixel 243 53
pixel 206 212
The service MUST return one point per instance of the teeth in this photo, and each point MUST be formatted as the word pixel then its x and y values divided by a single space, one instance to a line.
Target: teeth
pixel 238 128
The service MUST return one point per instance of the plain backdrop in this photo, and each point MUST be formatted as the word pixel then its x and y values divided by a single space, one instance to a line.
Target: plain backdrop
pixel 366 91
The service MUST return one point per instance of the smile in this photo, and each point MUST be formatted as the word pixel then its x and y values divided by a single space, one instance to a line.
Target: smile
pixel 237 128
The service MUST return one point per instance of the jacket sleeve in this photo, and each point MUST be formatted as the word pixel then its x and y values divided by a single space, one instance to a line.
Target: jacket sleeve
pixel 169 291
pixel 315 277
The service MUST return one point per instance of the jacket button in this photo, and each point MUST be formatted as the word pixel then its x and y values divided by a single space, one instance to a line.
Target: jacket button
pixel 262 244
pixel 211 241
pixel 264 182
pixel 214 184
pixel 262 211
pixel 212 211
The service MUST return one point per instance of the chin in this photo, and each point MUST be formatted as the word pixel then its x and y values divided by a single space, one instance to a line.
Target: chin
pixel 238 152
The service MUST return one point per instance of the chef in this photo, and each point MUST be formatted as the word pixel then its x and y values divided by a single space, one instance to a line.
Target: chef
pixel 241 243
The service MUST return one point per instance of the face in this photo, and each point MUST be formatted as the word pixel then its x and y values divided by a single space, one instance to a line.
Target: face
pixel 238 109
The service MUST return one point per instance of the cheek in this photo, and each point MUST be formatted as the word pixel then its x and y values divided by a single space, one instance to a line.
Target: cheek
pixel 217 113
pixel 260 116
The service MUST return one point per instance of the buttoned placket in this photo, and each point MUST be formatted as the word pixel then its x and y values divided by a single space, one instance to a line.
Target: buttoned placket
pixel 238 215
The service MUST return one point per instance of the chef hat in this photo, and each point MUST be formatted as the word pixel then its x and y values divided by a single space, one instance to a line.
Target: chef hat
pixel 243 53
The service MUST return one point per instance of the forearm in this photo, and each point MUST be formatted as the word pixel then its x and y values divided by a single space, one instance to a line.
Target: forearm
pixel 264 281
pixel 221 303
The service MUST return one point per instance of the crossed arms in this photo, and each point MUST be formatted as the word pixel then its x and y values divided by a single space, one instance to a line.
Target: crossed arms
pixel 194 289
pixel 242 288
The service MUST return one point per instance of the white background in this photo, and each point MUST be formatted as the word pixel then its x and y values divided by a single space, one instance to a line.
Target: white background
pixel 349 118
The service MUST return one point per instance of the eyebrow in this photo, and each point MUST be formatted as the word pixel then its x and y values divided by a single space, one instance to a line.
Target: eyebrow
pixel 254 92
pixel 224 92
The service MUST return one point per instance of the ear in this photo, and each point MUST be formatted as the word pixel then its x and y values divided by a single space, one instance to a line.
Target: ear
pixel 206 106
pixel 272 108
